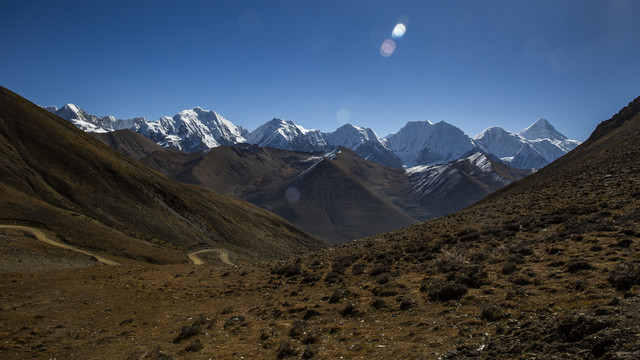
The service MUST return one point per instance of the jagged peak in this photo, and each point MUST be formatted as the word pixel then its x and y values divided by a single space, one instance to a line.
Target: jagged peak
pixel 541 129
pixel 491 130
pixel 71 107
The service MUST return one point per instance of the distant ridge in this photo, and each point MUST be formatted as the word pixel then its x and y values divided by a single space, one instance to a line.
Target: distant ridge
pixel 417 143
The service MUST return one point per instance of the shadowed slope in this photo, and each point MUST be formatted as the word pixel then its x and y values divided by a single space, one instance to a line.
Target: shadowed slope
pixel 62 179
pixel 129 143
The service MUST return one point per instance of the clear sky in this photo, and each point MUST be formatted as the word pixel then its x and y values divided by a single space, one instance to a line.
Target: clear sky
pixel 471 63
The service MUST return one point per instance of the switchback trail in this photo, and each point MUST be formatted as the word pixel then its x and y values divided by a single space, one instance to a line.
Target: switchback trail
pixel 224 256
pixel 42 237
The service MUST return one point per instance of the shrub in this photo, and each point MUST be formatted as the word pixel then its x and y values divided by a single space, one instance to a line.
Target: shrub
pixel 195 346
pixel 288 270
pixel 472 276
pixel 624 276
pixel 509 268
pixel 333 277
pixel 311 278
pixel 379 269
pixel 439 290
pixel 491 313
pixel 349 310
pixel 358 268
pixel 577 265
pixel 186 332
pixel 468 235
pixel 407 303
pixel 338 295
pixel 286 349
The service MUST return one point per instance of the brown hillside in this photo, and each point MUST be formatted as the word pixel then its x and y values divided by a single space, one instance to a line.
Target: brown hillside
pixel 545 269
pixel 341 199
pixel 129 143
pixel 58 178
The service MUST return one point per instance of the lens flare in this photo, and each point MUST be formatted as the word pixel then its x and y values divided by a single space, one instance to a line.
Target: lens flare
pixel 398 31
pixel 387 48
pixel 343 116
pixel 292 194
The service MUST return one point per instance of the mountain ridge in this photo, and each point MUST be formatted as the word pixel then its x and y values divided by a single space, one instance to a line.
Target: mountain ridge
pixel 417 143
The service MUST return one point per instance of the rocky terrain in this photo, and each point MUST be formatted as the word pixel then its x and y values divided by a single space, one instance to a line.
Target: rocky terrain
pixel 546 268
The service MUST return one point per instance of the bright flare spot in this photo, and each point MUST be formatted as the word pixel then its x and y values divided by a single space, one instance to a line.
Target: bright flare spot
pixel 292 194
pixel 398 31
pixel 343 116
pixel 387 48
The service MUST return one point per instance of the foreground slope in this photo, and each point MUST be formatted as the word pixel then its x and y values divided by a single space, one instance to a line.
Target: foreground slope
pixel 547 269
pixel 55 177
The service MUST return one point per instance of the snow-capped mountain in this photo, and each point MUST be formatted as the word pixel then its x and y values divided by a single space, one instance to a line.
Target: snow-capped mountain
pixel 92 123
pixel 533 147
pixel 417 143
pixel 193 130
pixel 425 143
pixel 190 130
pixel 285 135
pixel 364 142
pixel 426 178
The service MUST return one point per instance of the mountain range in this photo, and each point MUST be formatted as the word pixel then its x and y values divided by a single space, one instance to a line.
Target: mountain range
pixel 336 196
pixel 546 267
pixel 61 179
pixel 417 143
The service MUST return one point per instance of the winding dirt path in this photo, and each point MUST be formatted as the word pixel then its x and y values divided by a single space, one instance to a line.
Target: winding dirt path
pixel 42 237
pixel 224 256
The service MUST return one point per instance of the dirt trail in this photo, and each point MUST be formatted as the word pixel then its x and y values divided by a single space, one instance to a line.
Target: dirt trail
pixel 224 256
pixel 42 237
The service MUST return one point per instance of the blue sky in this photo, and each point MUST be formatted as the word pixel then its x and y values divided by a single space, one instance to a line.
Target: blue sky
pixel 470 63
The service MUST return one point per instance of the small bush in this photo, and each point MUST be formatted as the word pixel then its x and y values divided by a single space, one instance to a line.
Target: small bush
pixel 288 270
pixel 349 310
pixel 624 276
pixel 407 303
pixel 338 295
pixel 383 279
pixel 520 280
pixel 379 269
pixel 472 276
pixel 333 277
pixel 311 278
pixel 509 268
pixel 286 349
pixel 186 332
pixel 578 265
pixel 358 268
pixel 491 313
pixel 468 235
pixel 439 290
pixel 195 346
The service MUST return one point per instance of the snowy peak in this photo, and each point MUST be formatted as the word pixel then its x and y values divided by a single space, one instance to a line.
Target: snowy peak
pixel 72 112
pixel 426 143
pixel 351 136
pixel 541 129
pixel 286 135
pixel 499 142
pixel 417 143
